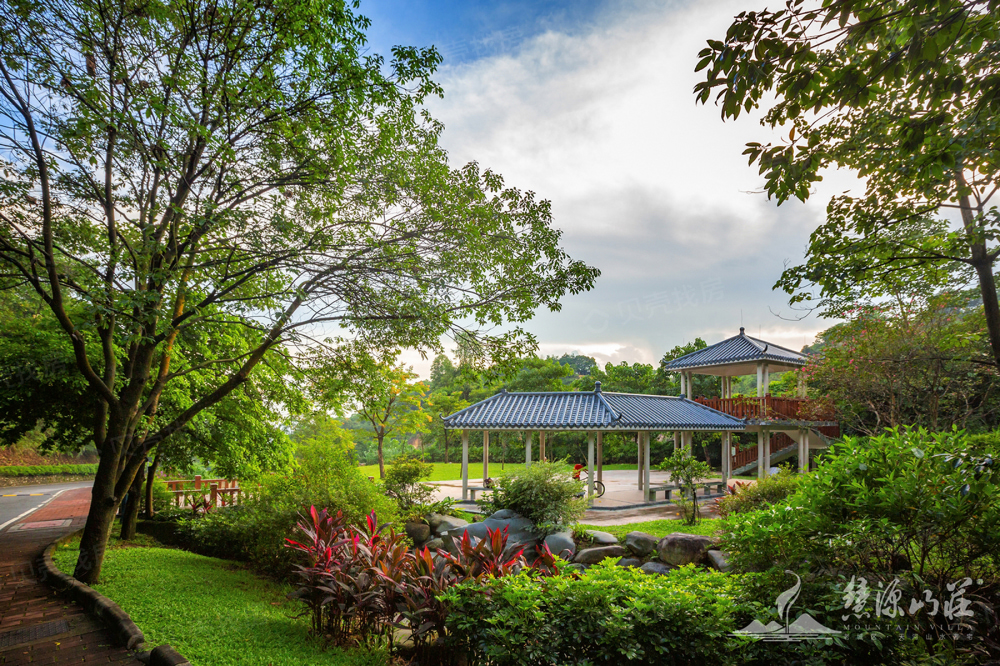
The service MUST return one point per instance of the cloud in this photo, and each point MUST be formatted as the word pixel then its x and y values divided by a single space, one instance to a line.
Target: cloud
pixel 646 185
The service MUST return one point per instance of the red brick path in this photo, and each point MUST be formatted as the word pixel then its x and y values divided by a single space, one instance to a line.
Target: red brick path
pixel 27 603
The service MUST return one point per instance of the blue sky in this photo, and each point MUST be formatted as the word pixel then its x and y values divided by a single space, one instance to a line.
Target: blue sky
pixel 589 104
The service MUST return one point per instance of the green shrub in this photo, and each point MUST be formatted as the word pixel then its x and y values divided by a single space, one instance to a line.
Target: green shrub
pixel 324 476
pixel 402 483
pixel 163 499
pixel 47 470
pixel 614 615
pixel 684 470
pixel 753 496
pixel 545 493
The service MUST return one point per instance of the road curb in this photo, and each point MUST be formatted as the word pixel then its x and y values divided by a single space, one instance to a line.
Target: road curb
pixel 122 628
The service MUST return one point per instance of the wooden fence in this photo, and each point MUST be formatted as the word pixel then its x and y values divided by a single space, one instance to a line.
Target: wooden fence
pixel 218 492
pixel 770 407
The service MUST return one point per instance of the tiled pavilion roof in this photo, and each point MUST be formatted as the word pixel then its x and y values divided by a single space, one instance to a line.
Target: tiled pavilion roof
pixel 737 350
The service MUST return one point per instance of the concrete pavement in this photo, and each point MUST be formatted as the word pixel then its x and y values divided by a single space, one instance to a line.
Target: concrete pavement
pixel 18 501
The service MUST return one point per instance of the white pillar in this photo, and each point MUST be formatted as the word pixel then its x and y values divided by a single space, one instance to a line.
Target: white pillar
pixel 767 379
pixel 688 441
pixel 802 385
pixel 638 447
pixel 803 450
pixel 486 455
pixel 683 377
pixel 541 445
pixel 760 454
pixel 645 452
pixel 527 449
pixel 760 380
pixel 465 465
pixel 767 451
pixel 690 386
pixel 600 456
pixel 590 464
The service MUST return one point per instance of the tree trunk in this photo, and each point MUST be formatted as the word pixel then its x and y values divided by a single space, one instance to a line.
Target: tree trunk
pixel 150 476
pixel 991 307
pixel 100 519
pixel 381 457
pixel 133 502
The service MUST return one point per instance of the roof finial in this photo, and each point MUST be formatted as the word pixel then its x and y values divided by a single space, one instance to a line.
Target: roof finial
pixel 597 387
pixel 741 330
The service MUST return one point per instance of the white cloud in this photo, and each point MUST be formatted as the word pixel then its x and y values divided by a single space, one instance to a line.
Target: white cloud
pixel 647 186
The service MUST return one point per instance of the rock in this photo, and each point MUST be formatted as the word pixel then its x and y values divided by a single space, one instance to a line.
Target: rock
pixel 655 568
pixel 580 568
pixel 629 562
pixel 719 561
pixel 435 544
pixel 560 542
pixel 595 555
pixel 640 543
pixel 602 538
pixel 680 549
pixel 419 532
pixel 440 523
pixel 505 514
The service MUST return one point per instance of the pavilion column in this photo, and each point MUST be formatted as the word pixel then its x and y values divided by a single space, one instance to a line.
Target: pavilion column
pixel 527 449
pixel 690 386
pixel 803 450
pixel 767 379
pixel 760 379
pixel 486 455
pixel 645 478
pixel 541 446
pixel 465 465
pixel 590 464
pixel 727 457
pixel 767 452
pixel 677 441
pixel 600 457
pixel 802 385
pixel 638 446
pixel 683 377
pixel 760 454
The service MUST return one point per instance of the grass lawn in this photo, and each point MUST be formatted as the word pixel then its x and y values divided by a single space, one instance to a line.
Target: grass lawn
pixel 214 612
pixel 660 528
pixel 453 471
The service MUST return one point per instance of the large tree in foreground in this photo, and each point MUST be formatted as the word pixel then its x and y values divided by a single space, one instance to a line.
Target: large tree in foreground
pixel 904 93
pixel 212 166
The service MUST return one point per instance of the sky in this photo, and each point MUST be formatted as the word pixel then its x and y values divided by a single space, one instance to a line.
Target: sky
pixel 589 104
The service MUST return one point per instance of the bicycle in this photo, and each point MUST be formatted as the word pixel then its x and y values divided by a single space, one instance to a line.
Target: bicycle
pixel 583 475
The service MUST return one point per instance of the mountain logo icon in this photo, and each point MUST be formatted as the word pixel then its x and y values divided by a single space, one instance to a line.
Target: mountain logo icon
pixel 803 628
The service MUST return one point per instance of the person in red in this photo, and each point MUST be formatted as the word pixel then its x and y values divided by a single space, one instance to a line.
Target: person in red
pixel 576 470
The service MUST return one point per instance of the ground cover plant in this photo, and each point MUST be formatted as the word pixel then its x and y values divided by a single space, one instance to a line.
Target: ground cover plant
pixel 743 497
pixel 213 612
pixel 660 528
pixel 48 470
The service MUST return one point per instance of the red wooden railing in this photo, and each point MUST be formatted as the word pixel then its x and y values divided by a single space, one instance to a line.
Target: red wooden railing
pixel 770 407
pixel 224 491
pixel 748 454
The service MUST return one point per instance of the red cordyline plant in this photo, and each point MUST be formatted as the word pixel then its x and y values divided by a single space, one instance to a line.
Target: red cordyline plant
pixel 363 583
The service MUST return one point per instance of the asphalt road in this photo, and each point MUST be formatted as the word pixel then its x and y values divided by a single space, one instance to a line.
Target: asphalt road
pixel 19 500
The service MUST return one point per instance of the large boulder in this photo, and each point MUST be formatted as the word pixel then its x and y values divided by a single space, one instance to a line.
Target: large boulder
pixel 440 523
pixel 595 555
pixel 435 544
pixel 719 561
pixel 655 568
pixel 680 549
pixel 640 543
pixel 419 532
pixel 602 538
pixel 505 514
pixel 629 562
pixel 520 531
pixel 560 542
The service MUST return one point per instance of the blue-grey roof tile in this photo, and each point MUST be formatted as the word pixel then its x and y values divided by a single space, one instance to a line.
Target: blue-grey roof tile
pixel 738 349
pixel 577 410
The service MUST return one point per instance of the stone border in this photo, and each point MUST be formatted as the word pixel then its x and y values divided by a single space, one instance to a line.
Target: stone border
pixel 123 629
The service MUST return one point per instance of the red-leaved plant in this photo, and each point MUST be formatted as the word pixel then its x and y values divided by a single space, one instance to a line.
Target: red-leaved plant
pixel 362 583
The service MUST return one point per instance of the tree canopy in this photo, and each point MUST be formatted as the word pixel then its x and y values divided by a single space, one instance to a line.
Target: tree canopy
pixel 903 93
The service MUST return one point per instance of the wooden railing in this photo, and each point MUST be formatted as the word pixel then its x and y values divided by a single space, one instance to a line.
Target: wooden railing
pixel 771 408
pixel 219 492
pixel 749 453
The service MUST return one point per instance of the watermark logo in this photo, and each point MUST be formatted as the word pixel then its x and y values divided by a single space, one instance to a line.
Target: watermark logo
pixel 804 628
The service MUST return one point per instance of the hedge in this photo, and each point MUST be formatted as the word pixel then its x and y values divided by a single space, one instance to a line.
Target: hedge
pixel 48 470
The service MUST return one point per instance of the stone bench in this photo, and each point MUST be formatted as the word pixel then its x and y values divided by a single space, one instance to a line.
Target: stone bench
pixel 476 489
pixel 669 490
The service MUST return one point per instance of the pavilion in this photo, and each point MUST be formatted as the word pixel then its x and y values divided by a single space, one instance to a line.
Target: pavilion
pixel 594 412
pixel 797 425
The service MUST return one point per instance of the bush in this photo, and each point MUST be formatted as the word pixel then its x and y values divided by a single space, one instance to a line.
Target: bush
pixel 545 493
pixel 916 508
pixel 402 483
pixel 615 615
pixel 744 497
pixel 324 476
pixel 47 470
pixel 684 470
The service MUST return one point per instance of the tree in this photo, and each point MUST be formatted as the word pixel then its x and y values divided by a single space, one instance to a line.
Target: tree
pixel 905 94
pixel 669 383
pixel 684 471
pixel 904 363
pixel 582 365
pixel 216 167
pixel 539 374
pixel 621 378
pixel 384 394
